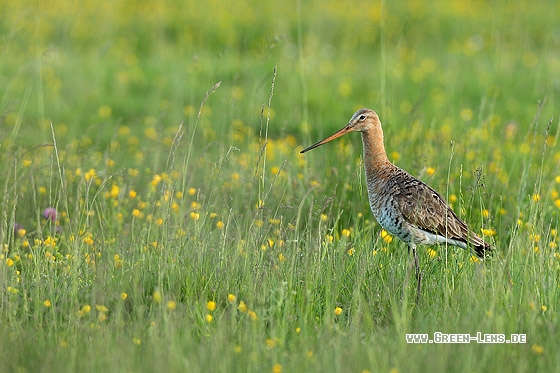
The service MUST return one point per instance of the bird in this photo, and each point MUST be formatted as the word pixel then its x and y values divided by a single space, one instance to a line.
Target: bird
pixel 403 205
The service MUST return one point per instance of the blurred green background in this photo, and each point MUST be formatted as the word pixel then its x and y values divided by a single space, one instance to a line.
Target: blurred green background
pixel 91 66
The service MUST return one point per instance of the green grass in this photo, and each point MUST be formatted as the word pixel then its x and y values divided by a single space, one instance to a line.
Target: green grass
pixel 172 192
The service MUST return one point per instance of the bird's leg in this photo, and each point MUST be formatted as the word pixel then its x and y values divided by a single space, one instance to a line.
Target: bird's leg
pixel 419 273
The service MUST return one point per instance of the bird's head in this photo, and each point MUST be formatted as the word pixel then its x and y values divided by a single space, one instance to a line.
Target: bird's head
pixel 362 120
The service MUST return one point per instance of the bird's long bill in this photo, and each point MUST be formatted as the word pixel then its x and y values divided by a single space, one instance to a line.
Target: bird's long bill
pixel 335 135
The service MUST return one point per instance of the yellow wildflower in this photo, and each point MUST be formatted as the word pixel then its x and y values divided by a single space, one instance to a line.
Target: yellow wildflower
pixel 12 290
pixel 488 232
pixel 537 349
pixel 386 236
pixel 156 180
pixel 115 190
pixel 253 315
pixel 84 310
pixel 157 297
pixel 171 305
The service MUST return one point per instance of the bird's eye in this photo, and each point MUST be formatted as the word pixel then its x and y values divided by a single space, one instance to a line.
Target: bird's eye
pixel 362 117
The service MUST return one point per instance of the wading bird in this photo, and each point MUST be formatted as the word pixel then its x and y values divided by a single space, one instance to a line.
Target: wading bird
pixel 402 204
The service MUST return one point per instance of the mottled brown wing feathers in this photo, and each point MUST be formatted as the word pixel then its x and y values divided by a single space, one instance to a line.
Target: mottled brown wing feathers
pixel 425 208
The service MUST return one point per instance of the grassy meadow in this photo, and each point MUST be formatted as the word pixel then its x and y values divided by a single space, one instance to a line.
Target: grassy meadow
pixel 156 214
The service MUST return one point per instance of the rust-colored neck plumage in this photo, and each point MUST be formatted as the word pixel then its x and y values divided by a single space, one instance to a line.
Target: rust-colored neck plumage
pixel 375 158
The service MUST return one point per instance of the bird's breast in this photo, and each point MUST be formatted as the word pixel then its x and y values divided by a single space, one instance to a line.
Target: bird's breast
pixel 385 210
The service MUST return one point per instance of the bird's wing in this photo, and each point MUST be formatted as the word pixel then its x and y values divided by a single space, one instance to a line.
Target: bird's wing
pixel 426 209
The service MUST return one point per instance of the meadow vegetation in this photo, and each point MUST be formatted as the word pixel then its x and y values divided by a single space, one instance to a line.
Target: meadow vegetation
pixel 157 215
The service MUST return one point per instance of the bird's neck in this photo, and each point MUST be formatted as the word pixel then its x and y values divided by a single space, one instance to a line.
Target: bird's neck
pixel 375 158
